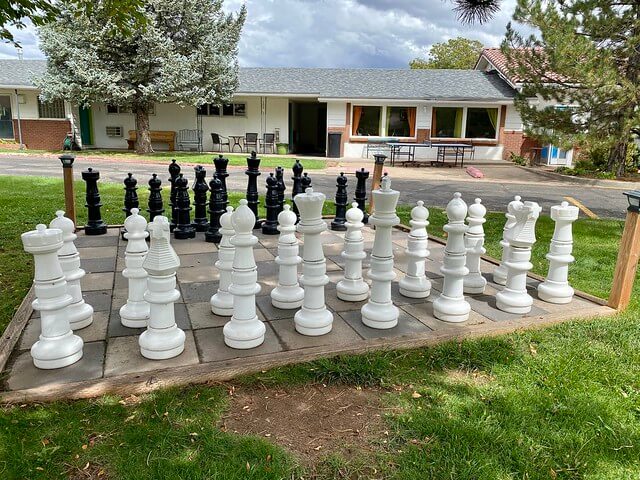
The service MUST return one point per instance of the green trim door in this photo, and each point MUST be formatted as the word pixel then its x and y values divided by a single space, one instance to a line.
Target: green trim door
pixel 86 126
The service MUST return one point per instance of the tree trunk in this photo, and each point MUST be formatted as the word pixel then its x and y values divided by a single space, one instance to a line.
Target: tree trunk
pixel 143 137
pixel 618 156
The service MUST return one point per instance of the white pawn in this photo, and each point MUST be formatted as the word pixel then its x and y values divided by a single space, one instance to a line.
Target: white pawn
pixel 521 237
pixel 556 288
pixel 415 283
pixel 313 319
pixel 222 300
pixel 162 339
pixel 288 294
pixel 474 282
pixel 79 313
pixel 450 306
pixel 244 330
pixel 135 313
pixel 380 312
pixel 500 272
pixel 57 345
pixel 353 288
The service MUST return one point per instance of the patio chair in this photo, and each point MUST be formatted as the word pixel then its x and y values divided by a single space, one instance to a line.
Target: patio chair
pixel 221 141
pixel 189 139
pixel 251 140
pixel 268 140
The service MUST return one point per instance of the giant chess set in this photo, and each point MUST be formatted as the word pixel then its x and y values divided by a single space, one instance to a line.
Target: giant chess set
pixel 231 292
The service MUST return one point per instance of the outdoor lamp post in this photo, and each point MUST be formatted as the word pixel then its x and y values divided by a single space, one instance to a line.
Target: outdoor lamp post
pixel 377 176
pixel 628 255
pixel 69 197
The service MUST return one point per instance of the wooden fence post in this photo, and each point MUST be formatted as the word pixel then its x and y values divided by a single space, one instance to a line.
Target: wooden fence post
pixel 69 195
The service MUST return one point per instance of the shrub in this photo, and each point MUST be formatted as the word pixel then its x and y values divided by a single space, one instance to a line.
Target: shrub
pixel 518 159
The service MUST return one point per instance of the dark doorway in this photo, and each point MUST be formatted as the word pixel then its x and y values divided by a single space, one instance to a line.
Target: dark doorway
pixel 308 128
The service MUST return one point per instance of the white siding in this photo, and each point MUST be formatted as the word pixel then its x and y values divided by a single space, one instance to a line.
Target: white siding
pixel 423 117
pixel 28 110
pixel 336 114
pixel 512 120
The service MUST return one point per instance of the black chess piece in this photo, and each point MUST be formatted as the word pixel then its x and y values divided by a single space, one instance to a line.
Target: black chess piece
pixel 130 198
pixel 200 189
pixel 95 225
pixel 305 182
pixel 361 192
pixel 281 188
pixel 217 207
pixel 184 229
pixel 155 206
pixel 297 186
pixel 270 225
pixel 253 172
pixel 338 223
pixel 220 164
pixel 174 171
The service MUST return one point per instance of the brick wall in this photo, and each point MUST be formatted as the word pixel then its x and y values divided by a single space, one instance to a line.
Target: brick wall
pixel 423 134
pixel 42 134
pixel 516 142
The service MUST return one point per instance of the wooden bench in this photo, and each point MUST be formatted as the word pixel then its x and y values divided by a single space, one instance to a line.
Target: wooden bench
pixel 159 136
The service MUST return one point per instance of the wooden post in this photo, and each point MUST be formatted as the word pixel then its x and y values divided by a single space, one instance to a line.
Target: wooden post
pixel 627 263
pixel 377 177
pixel 69 195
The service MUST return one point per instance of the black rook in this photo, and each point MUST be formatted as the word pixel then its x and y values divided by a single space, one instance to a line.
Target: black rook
pixel 200 190
pixel 183 229
pixel 216 208
pixel 155 197
pixel 253 172
pixel 339 221
pixel 220 164
pixel 174 171
pixel 270 225
pixel 130 198
pixel 95 225
pixel 281 188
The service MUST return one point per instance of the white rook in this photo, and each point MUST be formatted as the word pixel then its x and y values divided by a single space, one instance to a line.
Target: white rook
pixel 162 339
pixel 222 300
pixel 556 288
pixel 450 306
pixel 380 312
pixel 288 294
pixel 58 346
pixel 474 282
pixel 79 313
pixel 415 283
pixel 135 313
pixel 521 237
pixel 353 288
pixel 500 272
pixel 244 330
pixel 313 319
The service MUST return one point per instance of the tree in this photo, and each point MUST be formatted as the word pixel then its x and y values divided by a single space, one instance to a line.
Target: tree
pixel 476 11
pixel 457 53
pixel 185 53
pixel 586 59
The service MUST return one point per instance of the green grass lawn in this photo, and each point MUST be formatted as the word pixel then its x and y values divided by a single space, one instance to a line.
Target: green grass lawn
pixel 557 403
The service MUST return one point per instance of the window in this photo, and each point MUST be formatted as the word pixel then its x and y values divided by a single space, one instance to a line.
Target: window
pixel 366 121
pixel 481 123
pixel 401 121
pixel 119 109
pixel 54 109
pixel 227 110
pixel 447 122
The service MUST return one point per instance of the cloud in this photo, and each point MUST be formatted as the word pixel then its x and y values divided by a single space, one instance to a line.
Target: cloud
pixel 338 33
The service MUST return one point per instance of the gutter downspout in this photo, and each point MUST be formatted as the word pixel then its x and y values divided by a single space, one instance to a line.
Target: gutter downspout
pixel 19 123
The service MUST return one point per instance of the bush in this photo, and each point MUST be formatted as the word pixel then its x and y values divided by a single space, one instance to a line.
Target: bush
pixel 518 159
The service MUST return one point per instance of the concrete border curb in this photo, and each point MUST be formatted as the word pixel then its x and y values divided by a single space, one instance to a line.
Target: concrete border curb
pixel 593 182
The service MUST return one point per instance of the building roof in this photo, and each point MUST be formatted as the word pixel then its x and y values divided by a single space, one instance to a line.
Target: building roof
pixel 499 61
pixel 339 83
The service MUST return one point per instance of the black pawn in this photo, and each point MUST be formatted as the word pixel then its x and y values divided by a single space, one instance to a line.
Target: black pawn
pixel 339 221
pixel 217 207
pixel 281 188
pixel 130 198
pixel 155 206
pixel 270 225
pixel 200 189
pixel 297 185
pixel 183 229
pixel 95 225
pixel 253 172
pixel 174 171
pixel 305 182
pixel 361 192
pixel 220 164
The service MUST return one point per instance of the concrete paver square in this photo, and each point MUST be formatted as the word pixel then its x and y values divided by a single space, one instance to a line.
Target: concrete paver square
pixel 341 333
pixel 94 332
pixel 407 326
pixel 198 274
pixel 196 245
pixel 97 265
pixel 201 316
pixel 97 281
pixel 116 329
pixel 213 349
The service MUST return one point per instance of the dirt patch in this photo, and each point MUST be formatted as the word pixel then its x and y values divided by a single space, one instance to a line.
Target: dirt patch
pixel 87 472
pixel 310 420
pixel 471 377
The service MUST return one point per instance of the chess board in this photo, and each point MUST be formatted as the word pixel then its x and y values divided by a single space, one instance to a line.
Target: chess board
pixel 112 362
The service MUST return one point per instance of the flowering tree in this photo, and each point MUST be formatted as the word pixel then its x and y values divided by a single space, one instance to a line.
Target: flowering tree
pixel 184 52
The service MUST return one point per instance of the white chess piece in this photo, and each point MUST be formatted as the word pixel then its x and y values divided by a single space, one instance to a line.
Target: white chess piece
pixel 521 237
pixel 244 330
pixel 450 306
pixel 79 313
pixel 500 272
pixel 162 339
pixel 474 282
pixel 313 319
pixel 135 313
pixel 57 345
pixel 222 300
pixel 415 283
pixel 288 294
pixel 353 288
pixel 556 288
pixel 380 312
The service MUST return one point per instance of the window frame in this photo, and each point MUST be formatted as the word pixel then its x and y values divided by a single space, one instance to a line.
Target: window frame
pixel 220 108
pixel 382 127
pixel 463 133
pixel 42 104
pixel 120 110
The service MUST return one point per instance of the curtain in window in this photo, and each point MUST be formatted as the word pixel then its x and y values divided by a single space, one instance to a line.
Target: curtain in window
pixel 457 131
pixel 411 118
pixel 492 113
pixel 357 113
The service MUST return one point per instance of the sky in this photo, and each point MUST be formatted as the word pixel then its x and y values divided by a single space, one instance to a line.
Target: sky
pixel 337 33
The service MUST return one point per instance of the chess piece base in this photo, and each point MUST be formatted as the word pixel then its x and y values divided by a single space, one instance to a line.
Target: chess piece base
pixel 244 334
pixel 338 227
pixel 269 229
pixel 451 310
pixel 313 323
pixel 57 352
pixel 201 227
pixel 80 315
pixel 183 234
pixel 552 292
pixel 352 290
pixel 212 237
pixel 514 302
pixel 135 314
pixel 379 316
pixel 161 344
pixel 287 298
pixel 414 287
pixel 474 285
pixel 95 229
pixel 500 276
pixel 222 304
